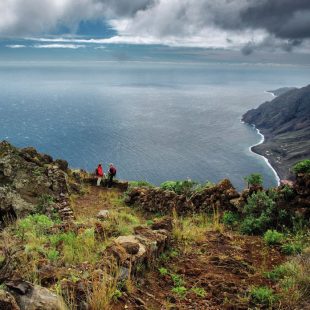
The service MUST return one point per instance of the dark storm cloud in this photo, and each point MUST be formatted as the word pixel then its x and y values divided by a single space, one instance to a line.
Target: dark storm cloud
pixel 287 19
pixel 126 7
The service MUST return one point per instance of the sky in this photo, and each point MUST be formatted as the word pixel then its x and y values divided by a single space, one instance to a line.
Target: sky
pixel 248 27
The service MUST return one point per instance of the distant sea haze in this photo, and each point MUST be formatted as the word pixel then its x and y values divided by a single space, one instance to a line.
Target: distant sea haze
pixel 155 121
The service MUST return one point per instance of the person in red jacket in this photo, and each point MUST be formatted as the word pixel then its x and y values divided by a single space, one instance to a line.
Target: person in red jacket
pixel 99 174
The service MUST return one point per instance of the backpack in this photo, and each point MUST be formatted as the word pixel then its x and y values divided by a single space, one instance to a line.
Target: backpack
pixel 96 171
pixel 113 171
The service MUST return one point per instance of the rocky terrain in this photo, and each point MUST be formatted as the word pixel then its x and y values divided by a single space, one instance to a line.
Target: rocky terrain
pixel 68 244
pixel 281 91
pixel 285 123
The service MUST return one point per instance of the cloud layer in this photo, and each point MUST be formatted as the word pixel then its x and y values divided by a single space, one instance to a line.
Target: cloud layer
pixel 236 24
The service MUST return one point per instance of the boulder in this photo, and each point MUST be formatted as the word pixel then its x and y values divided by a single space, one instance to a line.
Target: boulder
pixel 103 214
pixel 131 245
pixel 34 297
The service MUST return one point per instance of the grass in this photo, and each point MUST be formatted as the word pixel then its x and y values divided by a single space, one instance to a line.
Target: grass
pixel 104 291
pixel 187 230
pixel 273 237
pixel 293 279
pixel 180 291
pixel 262 295
pixel 199 291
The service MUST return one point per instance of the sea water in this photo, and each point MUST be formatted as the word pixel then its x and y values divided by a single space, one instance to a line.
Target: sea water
pixel 155 120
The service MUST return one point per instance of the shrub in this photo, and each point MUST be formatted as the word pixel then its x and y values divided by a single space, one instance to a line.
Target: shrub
pixel 180 291
pixel 177 280
pixel 254 179
pixel 179 187
pixel 199 291
pixel 277 273
pixel 287 192
pixel 262 295
pixel 273 237
pixel 261 213
pixel 36 224
pixel 302 166
pixel 45 201
pixel 230 218
pixel 53 255
pixel 291 248
pixel 163 271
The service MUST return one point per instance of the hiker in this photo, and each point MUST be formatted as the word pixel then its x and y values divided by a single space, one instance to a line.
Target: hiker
pixel 111 175
pixel 99 174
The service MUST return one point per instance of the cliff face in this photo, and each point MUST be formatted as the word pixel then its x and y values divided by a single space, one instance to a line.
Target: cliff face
pixel 285 122
pixel 25 177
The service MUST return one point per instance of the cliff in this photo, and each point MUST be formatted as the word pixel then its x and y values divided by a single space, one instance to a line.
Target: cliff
pixel 285 123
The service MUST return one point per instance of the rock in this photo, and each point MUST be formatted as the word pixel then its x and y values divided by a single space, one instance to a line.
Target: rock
pixel 62 164
pixel 164 223
pixel 25 176
pixel 119 253
pixel 103 214
pixel 7 301
pixel 163 201
pixel 34 297
pixel 131 245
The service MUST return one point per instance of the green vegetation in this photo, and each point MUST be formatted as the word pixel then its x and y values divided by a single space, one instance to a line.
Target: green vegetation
pixel 180 187
pixel 140 184
pixel 273 237
pixel 262 295
pixel 292 248
pixel 302 166
pixel 180 291
pixel 261 213
pixel 45 202
pixel 230 218
pixel 163 271
pixel 293 278
pixel 254 179
pixel 187 230
pixel 199 291
pixel 286 192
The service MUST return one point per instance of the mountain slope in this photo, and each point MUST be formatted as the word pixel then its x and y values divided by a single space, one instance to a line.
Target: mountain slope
pixel 285 123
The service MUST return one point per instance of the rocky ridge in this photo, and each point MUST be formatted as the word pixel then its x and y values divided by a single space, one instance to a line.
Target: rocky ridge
pixel 285 123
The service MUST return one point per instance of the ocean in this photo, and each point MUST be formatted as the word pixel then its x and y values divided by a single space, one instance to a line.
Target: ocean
pixel 156 118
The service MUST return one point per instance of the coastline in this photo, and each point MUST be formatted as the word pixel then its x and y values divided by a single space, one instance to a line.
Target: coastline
pixel 265 158
pixel 271 93
pixel 261 142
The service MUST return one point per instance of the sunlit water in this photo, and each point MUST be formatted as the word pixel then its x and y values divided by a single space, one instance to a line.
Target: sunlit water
pixel 155 121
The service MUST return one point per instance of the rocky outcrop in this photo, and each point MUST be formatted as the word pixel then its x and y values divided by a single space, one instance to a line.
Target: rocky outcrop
pixel 34 297
pixel 142 248
pixel 219 196
pixel 26 176
pixel 285 123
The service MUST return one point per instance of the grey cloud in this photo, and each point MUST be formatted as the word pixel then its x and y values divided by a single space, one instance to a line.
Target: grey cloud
pixel 287 19
pixel 120 8
pixel 283 24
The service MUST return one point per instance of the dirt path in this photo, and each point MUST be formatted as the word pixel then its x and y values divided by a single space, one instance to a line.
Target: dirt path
pixel 224 266
pixel 94 200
